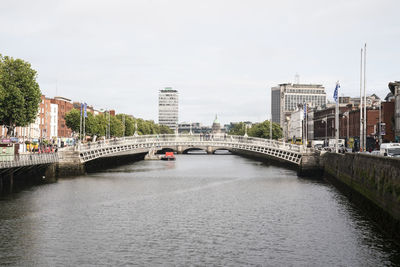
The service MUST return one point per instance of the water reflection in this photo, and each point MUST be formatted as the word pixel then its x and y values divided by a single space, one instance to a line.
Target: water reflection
pixel 203 209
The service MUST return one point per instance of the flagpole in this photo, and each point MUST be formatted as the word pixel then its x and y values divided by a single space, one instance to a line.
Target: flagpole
pixel 306 120
pixel 365 99
pixel 361 104
pixel 84 120
pixel 84 126
pixel 336 95
pixel 80 126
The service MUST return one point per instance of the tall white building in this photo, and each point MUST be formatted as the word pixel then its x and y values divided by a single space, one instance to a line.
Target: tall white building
pixel 286 97
pixel 295 124
pixel 168 107
pixel 53 120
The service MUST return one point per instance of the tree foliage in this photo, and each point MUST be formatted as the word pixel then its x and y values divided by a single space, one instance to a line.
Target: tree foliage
pixel 262 130
pixel 238 129
pixel 97 125
pixel 258 130
pixel 19 93
pixel 72 120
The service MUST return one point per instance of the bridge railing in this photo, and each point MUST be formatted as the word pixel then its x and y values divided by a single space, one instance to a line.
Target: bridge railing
pixel 204 138
pixel 19 160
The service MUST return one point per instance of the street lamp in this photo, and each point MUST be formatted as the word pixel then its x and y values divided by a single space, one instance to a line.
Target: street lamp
pixel 123 122
pixel 326 128
pixel 347 115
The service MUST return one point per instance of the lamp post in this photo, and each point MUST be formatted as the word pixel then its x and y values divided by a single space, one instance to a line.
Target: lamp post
pixel 347 115
pixel 109 125
pixel 270 128
pixel 326 128
pixel 380 123
pixel 123 122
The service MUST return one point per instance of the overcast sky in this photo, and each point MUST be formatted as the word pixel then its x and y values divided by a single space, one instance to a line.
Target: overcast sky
pixel 223 56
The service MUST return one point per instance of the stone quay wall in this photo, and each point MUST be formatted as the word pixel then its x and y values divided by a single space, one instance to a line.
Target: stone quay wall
pixel 375 178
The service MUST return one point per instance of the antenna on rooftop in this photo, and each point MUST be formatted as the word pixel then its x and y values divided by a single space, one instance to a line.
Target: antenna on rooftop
pixel 297 78
pixel 56 87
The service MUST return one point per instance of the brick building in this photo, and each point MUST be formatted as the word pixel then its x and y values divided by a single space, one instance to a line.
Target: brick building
pixel 388 120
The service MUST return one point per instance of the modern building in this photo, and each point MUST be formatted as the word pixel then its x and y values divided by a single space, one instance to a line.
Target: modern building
pixel 168 107
pixel 195 127
pixel 286 97
pixel 295 124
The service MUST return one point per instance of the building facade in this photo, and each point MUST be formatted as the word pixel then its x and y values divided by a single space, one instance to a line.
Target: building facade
pixel 45 117
pixel 395 89
pixel 168 107
pixel 53 121
pixel 295 124
pixel 216 126
pixel 387 118
pixel 286 97
pixel 64 106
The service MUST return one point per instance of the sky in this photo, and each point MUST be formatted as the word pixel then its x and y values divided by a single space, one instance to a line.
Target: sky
pixel 223 56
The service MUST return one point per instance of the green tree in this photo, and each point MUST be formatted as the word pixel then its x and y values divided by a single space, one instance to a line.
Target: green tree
pixel 165 130
pixel 72 120
pixel 19 93
pixel 238 129
pixel 116 127
pixel 129 123
pixel 101 122
pixel 262 130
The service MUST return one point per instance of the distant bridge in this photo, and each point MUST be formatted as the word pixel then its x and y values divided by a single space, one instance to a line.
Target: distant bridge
pixel 184 142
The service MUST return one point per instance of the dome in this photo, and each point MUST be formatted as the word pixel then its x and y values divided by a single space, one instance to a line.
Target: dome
pixel 216 119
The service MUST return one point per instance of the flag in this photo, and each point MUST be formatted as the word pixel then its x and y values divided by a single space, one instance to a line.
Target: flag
pixel 335 94
pixel 85 113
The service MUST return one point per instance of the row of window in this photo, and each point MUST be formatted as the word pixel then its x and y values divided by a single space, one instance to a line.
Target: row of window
pixel 306 91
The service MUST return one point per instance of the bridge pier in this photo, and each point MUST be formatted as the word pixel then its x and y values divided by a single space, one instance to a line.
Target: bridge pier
pixel 7 182
pixel 210 150
pixel 179 150
pixel 310 165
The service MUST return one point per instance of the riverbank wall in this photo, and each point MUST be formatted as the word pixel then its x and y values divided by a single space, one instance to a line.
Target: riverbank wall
pixel 15 179
pixel 372 182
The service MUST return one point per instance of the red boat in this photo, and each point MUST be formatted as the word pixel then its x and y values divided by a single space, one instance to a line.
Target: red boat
pixel 168 156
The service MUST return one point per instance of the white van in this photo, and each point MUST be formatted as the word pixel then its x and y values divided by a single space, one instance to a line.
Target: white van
pixel 332 142
pixel 390 150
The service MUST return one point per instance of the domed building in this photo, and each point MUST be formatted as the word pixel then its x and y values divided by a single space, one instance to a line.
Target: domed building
pixel 216 126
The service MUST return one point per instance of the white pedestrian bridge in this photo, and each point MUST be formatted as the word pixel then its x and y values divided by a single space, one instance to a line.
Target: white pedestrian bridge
pixel 183 143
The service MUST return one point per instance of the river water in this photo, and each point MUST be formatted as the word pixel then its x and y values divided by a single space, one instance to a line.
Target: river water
pixel 220 210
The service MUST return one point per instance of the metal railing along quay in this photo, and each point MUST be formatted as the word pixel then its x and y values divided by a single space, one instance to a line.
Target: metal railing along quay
pixel 21 160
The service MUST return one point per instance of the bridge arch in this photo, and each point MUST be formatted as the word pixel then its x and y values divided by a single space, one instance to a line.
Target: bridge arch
pixel 237 144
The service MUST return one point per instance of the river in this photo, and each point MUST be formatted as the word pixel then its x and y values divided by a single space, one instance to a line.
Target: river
pixel 222 210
